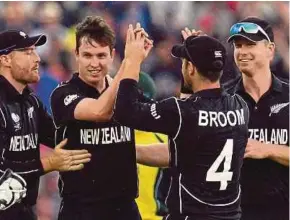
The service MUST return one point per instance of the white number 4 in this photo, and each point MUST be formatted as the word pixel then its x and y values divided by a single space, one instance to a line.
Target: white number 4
pixel 213 176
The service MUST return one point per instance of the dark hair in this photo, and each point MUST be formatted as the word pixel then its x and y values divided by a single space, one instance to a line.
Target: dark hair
pixel 95 28
pixel 212 75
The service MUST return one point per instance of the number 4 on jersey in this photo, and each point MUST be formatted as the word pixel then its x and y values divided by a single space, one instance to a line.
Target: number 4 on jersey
pixel 213 176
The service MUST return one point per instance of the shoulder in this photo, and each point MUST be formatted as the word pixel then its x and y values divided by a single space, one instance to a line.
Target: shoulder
pixel 63 87
pixel 66 88
pixel 230 86
pixel 285 85
pixel 282 87
pixel 3 95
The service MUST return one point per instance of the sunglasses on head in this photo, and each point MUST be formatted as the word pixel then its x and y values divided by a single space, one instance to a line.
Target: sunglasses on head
pixel 249 28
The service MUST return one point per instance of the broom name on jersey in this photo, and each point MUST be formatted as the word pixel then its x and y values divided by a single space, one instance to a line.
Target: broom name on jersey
pixel 221 119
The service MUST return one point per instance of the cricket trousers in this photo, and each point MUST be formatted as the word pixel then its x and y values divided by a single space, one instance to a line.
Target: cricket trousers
pixel 113 210
pixel 18 211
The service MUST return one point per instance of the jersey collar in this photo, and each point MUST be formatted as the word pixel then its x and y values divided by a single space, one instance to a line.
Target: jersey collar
pixel 276 85
pixel 211 93
pixel 86 87
pixel 9 89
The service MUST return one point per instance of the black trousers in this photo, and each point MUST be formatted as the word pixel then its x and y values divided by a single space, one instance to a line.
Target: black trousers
pixel 121 210
pixel 265 213
pixel 200 217
pixel 17 212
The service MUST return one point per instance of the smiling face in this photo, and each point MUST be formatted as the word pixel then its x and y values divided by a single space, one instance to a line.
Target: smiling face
pixel 252 57
pixel 23 65
pixel 94 60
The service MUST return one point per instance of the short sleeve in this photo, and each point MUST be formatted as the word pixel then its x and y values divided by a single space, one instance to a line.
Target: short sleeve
pixel 64 100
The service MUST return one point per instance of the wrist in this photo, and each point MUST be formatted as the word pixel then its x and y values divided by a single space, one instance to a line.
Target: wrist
pixel 132 62
pixel 47 164
pixel 269 151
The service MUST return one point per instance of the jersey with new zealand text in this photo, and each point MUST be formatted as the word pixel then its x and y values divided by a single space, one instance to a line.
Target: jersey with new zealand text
pixel 24 124
pixel 208 136
pixel 112 171
pixel 266 182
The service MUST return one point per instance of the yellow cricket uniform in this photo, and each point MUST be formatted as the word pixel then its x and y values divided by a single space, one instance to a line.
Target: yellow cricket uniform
pixel 147 177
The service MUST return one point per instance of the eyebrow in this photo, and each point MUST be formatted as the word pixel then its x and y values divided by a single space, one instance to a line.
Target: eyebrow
pixel 97 54
pixel 23 49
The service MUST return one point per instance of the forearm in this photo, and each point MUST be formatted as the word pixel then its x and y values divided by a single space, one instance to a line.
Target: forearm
pixel 155 155
pixel 100 109
pixel 107 99
pixel 24 168
pixel 131 70
pixel 279 153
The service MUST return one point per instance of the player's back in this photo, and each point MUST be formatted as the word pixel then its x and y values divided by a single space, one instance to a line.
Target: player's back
pixel 207 154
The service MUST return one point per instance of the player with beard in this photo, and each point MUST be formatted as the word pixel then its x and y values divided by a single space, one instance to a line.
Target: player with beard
pixel 24 124
pixel 207 131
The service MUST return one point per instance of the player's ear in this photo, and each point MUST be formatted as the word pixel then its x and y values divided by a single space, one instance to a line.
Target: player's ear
pixel 5 60
pixel 113 52
pixel 77 55
pixel 191 69
pixel 271 50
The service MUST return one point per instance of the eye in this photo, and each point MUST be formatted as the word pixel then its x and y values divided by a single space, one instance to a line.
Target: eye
pixel 237 45
pixel 102 56
pixel 86 55
pixel 251 45
pixel 28 52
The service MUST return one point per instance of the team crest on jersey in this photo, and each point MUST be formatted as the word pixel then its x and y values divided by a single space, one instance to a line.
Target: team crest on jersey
pixel 68 99
pixel 16 120
pixel 275 109
pixel 22 34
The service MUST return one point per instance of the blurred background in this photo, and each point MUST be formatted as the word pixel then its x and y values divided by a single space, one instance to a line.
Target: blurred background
pixel 162 20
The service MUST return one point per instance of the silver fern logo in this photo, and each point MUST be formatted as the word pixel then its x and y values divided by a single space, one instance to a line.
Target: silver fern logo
pixel 277 108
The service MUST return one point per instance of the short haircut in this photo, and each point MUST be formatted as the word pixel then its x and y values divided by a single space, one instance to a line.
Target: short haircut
pixel 212 76
pixel 95 28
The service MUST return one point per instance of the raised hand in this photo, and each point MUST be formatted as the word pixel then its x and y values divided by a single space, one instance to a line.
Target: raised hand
pixel 137 45
pixel 148 45
pixel 187 32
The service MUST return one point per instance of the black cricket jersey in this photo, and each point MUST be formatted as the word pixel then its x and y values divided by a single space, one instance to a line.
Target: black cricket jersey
pixel 207 139
pixel 266 182
pixel 24 124
pixel 112 171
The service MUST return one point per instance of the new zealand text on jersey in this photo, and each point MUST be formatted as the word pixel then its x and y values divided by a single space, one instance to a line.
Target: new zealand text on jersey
pixel 23 143
pixel 107 135
pixel 272 136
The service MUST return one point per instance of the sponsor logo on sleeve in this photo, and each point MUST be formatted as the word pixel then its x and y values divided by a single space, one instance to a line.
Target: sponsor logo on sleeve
pixel 68 99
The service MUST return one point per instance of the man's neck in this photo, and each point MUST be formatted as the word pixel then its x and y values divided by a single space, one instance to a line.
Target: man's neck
pixel 99 86
pixel 17 85
pixel 206 85
pixel 258 84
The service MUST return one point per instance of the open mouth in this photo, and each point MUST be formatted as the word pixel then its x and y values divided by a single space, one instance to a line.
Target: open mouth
pixel 244 60
pixel 95 72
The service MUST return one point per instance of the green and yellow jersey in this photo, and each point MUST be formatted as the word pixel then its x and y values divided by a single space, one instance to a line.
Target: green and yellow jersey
pixel 147 177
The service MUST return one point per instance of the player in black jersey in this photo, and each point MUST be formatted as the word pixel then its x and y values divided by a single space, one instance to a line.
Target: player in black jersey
pixel 24 124
pixel 82 110
pixel 265 173
pixel 207 131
